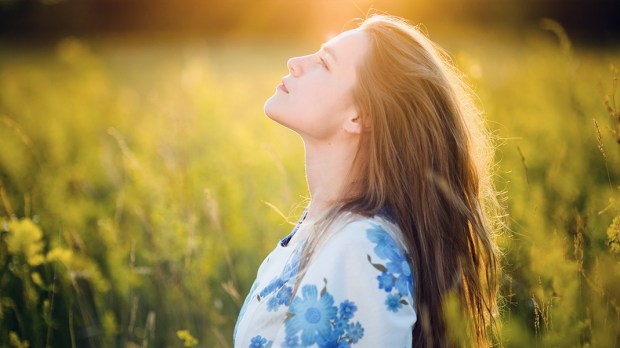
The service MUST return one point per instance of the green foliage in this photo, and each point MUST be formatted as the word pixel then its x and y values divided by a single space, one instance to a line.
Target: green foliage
pixel 141 186
pixel 559 170
pixel 456 320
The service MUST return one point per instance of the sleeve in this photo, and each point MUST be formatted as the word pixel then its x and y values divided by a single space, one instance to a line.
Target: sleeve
pixel 358 292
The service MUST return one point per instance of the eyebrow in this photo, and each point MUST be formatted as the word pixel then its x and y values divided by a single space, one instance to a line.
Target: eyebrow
pixel 330 51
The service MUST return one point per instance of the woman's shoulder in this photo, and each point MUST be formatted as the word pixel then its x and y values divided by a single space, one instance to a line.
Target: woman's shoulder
pixel 364 261
pixel 357 226
pixel 354 232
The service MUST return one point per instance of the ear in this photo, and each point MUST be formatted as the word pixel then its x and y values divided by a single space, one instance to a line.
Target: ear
pixel 353 125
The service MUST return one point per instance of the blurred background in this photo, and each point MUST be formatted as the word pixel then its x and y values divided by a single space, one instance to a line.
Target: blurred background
pixel 141 184
pixel 589 20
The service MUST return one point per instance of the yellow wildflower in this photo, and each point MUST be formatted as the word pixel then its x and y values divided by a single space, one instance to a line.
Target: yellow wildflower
pixel 16 342
pixel 189 340
pixel 26 238
pixel 36 278
pixel 60 254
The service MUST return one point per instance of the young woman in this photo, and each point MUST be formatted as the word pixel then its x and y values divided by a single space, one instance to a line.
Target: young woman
pixel 402 202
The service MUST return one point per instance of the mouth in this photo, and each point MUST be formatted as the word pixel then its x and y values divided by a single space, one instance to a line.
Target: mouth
pixel 282 87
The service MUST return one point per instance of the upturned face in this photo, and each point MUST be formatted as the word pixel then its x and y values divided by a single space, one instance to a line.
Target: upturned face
pixel 316 98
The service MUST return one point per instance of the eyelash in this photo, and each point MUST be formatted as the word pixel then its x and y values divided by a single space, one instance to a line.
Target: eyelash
pixel 323 63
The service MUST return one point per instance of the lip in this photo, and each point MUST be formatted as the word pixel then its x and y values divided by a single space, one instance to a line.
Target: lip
pixel 282 87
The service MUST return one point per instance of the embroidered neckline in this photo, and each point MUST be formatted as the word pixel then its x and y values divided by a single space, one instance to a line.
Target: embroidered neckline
pixel 284 242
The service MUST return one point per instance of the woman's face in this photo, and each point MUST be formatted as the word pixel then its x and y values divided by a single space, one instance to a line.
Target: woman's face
pixel 316 98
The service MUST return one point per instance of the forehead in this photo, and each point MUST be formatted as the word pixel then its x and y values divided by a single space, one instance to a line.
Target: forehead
pixel 349 46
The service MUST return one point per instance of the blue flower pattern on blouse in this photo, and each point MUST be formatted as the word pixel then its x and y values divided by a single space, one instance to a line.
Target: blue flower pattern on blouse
pixel 395 273
pixel 278 284
pixel 393 303
pixel 283 297
pixel 313 318
pixel 260 342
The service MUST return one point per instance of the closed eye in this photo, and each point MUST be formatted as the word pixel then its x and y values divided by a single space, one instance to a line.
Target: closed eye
pixel 323 63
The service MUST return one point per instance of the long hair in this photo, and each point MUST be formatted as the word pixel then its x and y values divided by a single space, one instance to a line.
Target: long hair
pixel 424 157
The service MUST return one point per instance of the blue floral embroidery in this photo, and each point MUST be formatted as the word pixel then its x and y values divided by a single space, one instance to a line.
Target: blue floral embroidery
pixel 283 297
pixel 386 281
pixel 393 303
pixel 400 267
pixel 260 342
pixel 311 315
pixel 396 273
pixel 284 292
pixel 340 326
pixel 333 340
pixel 272 304
pixel 356 332
pixel 273 285
pixel 291 342
pixel 347 309
pixel 318 320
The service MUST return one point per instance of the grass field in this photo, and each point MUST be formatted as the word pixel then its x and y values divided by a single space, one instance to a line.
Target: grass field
pixel 141 184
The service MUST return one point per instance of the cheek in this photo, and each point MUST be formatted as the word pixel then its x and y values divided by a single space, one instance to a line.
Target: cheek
pixel 326 100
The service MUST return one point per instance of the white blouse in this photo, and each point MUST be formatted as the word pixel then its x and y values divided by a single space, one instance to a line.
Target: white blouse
pixel 357 291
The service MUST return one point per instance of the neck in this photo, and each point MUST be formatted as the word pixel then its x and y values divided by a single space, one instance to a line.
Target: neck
pixel 328 166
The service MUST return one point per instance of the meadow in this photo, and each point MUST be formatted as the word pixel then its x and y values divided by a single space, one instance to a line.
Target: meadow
pixel 141 185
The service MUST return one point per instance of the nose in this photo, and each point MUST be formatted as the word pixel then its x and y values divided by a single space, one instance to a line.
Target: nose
pixel 297 66
pixel 294 66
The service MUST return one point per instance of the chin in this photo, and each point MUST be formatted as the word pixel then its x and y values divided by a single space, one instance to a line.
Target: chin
pixel 276 111
pixel 267 106
pixel 271 109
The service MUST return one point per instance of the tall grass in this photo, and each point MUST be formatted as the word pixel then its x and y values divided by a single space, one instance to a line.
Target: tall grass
pixel 141 186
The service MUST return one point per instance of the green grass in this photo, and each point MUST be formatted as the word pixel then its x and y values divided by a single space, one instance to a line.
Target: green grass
pixel 150 173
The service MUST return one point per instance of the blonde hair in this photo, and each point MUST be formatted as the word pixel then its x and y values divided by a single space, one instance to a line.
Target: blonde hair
pixel 425 158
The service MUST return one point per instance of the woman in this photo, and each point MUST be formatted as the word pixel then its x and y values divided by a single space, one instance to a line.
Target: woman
pixel 400 218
